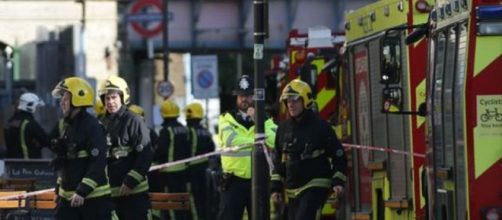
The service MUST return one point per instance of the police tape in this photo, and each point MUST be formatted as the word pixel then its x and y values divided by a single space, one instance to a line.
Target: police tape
pixel 383 149
pixel 200 157
pixel 259 140
pixel 236 148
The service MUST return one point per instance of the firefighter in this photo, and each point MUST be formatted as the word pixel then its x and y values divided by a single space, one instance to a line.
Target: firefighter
pixel 24 136
pixel 129 150
pixel 173 146
pixel 236 128
pixel 309 157
pixel 138 110
pixel 201 142
pixel 83 190
pixel 153 179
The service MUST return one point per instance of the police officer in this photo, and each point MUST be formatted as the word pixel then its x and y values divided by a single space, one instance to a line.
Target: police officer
pixel 236 128
pixel 308 157
pixel 201 142
pixel 130 153
pixel 173 146
pixel 23 135
pixel 83 190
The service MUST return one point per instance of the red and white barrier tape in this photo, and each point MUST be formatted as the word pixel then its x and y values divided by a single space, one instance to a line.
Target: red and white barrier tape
pixel 200 157
pixel 217 152
pixel 383 149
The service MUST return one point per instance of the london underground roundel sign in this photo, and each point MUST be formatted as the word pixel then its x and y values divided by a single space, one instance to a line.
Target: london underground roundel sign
pixel 138 16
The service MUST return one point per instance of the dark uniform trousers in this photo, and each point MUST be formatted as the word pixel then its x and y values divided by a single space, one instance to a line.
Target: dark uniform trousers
pixel 129 149
pixel 198 183
pixel 133 207
pixel 176 182
pixel 235 198
pixel 307 204
pixel 93 209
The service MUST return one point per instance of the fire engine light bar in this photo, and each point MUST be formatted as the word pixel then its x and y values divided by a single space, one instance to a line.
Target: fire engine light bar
pixel 489 28
pixel 492 12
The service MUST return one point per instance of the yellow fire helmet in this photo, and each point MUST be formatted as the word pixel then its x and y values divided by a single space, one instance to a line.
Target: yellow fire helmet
pixel 169 109
pixel 138 110
pixel 115 83
pixel 82 94
pixel 298 89
pixel 194 111
pixel 99 108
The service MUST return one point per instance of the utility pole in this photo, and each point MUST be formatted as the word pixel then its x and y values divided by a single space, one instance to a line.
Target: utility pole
pixel 165 40
pixel 260 174
pixel 80 63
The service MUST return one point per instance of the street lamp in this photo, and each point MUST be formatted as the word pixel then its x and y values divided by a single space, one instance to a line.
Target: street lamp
pixel 8 51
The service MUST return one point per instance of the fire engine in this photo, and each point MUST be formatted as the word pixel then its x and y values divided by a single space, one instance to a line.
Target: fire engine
pixel 388 85
pixel 451 62
pixel 316 58
pixel 464 105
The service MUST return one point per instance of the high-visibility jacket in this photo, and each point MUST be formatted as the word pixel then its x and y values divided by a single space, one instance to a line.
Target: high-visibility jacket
pixel 232 131
pixel 24 136
pixel 129 151
pixel 81 150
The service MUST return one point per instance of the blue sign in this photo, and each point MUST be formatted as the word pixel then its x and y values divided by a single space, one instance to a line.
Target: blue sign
pixel 205 79
pixel 205 76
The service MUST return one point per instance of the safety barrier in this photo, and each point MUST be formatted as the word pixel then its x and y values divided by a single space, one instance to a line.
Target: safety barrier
pixel 43 201
pixel 170 201
pixel 14 203
pixel 46 200
pixel 161 201
pixel 9 206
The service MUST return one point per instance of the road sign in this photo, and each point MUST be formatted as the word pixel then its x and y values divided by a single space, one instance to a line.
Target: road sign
pixel 165 89
pixel 205 76
pixel 137 16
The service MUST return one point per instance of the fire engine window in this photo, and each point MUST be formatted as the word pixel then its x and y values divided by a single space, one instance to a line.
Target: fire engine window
pixel 391 60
